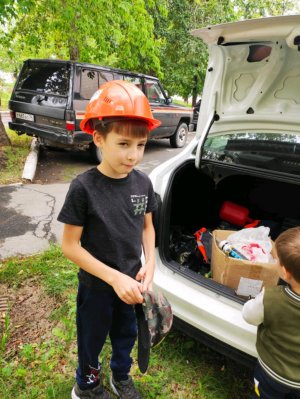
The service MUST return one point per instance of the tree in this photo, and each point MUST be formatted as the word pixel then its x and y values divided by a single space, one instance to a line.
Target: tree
pixel 4 139
pixel 117 33
pixel 248 9
pixel 184 58
pixel 150 36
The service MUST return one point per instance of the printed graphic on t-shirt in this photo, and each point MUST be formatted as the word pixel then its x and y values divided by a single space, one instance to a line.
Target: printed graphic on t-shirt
pixel 139 203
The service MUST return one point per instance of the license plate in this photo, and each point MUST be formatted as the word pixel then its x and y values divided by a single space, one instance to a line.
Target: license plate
pixel 26 117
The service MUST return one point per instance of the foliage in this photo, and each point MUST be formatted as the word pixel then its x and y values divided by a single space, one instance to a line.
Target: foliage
pixel 5 93
pixel 255 9
pixel 183 57
pixel 179 366
pixel 150 36
pixel 115 33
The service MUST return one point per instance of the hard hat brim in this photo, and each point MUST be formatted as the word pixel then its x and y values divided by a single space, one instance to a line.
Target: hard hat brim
pixel 86 125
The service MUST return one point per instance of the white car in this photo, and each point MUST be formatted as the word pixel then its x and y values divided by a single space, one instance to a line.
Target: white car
pixel 247 151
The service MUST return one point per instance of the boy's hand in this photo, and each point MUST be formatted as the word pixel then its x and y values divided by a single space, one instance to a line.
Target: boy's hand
pixel 128 289
pixel 145 277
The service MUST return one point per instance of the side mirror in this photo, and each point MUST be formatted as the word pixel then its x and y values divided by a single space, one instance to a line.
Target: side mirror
pixel 168 100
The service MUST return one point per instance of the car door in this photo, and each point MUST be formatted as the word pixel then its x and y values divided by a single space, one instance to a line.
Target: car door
pixel 159 107
pixel 87 83
pixel 40 96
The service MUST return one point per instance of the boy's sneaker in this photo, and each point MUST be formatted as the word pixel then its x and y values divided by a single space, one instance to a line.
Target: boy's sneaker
pixel 124 389
pixel 97 392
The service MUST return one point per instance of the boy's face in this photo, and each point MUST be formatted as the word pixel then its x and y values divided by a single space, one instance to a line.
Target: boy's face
pixel 120 153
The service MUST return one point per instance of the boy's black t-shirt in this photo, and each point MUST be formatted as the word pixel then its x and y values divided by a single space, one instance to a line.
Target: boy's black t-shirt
pixel 111 212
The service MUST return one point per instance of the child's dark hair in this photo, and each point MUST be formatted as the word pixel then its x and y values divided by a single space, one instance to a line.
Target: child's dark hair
pixel 288 250
pixel 126 127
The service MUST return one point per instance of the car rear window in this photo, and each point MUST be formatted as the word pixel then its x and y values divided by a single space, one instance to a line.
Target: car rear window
pixel 279 152
pixel 45 78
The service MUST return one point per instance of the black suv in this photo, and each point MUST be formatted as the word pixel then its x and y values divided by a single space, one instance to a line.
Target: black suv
pixel 50 97
pixel 196 110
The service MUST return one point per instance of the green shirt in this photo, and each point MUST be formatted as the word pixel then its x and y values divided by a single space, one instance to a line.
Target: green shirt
pixel 278 337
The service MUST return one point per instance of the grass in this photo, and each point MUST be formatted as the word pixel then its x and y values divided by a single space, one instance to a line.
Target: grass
pixel 13 158
pixel 5 93
pixel 181 102
pixel 179 367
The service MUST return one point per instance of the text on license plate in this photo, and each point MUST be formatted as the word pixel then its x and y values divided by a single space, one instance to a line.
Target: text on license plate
pixel 26 117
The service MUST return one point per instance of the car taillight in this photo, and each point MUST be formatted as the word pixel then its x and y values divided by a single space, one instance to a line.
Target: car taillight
pixel 70 120
pixel 70 125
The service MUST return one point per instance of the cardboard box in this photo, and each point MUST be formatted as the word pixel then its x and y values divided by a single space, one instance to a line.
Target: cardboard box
pixel 244 276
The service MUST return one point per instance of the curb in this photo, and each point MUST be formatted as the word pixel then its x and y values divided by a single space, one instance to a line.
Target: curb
pixel 31 161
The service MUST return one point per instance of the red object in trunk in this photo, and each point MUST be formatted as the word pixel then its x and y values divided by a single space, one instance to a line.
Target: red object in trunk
pixel 234 213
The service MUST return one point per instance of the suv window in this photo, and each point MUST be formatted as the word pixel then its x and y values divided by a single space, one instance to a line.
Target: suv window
pixel 154 92
pixel 105 77
pixel 45 78
pixel 91 80
pixel 133 79
pixel 89 83
pixel 275 151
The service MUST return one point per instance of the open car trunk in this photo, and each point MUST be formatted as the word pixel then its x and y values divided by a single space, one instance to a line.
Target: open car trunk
pixel 195 199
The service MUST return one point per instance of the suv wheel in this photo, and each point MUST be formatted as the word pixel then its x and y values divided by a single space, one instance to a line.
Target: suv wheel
pixel 95 153
pixel 179 138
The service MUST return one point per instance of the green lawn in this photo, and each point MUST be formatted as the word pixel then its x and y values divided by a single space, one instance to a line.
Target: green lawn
pixel 12 158
pixel 42 365
pixel 5 93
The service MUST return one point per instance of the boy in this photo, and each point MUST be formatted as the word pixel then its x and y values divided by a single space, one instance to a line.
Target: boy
pixel 108 219
pixel 276 312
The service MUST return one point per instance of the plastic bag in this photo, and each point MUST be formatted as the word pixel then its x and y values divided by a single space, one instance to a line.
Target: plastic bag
pixel 254 243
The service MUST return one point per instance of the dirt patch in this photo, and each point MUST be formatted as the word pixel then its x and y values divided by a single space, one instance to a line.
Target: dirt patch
pixel 61 166
pixel 29 313
pixel 3 159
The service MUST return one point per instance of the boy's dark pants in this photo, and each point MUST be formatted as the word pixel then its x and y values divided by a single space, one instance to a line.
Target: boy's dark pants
pixel 99 313
pixel 268 388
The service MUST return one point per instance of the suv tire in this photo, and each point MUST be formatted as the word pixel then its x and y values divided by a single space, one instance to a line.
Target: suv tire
pixel 179 138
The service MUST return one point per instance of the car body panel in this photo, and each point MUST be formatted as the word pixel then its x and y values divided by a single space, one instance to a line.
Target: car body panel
pixel 170 115
pixel 239 96
pixel 252 30
pixel 247 93
pixel 196 110
pixel 206 310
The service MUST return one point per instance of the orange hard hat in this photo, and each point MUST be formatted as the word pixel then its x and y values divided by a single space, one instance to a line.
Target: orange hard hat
pixel 118 99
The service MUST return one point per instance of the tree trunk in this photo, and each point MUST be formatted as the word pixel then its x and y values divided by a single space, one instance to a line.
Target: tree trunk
pixel 73 45
pixel 74 52
pixel 4 139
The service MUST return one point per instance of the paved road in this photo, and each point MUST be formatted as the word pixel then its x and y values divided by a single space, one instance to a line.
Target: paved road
pixel 28 212
pixel 28 217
